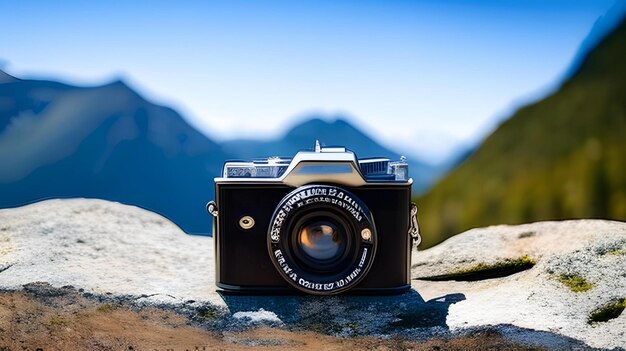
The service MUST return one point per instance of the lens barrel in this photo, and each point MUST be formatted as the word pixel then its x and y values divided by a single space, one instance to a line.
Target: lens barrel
pixel 322 239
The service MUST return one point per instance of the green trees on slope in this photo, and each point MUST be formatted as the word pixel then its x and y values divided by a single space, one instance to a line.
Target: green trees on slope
pixel 562 157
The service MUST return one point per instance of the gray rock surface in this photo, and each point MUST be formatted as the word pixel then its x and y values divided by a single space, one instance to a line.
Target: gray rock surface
pixel 116 251
pixel 536 298
pixel 104 247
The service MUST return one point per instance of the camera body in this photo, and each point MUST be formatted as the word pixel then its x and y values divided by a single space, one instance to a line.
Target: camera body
pixel 322 223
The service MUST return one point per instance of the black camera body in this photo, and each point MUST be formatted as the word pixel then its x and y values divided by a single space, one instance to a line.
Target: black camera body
pixel 322 223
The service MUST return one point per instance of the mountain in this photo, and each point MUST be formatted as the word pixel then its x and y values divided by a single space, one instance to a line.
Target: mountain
pixel 602 27
pixel 107 142
pixel 332 132
pixel 562 157
pixel 6 78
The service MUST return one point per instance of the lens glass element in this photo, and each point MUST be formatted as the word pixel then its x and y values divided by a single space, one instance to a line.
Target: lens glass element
pixel 322 240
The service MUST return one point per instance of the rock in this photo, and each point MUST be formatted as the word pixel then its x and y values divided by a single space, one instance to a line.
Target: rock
pixel 124 255
pixel 104 247
pixel 541 297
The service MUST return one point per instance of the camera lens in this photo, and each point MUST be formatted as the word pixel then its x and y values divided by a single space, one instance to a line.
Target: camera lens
pixel 322 240
pixel 316 242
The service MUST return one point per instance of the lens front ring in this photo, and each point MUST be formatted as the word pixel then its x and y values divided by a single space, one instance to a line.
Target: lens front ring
pixel 319 262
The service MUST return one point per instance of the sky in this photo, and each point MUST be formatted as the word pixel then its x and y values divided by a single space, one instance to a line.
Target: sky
pixel 423 76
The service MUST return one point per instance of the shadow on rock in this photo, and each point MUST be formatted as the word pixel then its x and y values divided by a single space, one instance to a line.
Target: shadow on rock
pixel 345 314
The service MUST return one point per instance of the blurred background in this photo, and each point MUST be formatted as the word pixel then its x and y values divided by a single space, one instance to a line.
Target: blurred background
pixel 508 111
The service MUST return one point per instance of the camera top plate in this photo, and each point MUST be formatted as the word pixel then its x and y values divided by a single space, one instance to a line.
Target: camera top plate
pixel 336 165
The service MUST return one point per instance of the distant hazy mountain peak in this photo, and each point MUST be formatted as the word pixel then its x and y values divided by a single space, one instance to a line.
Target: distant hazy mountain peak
pixel 603 26
pixel 316 127
pixel 333 130
pixel 121 86
pixel 103 141
pixel 6 78
pixel 316 120
pixel 336 118
pixel 118 82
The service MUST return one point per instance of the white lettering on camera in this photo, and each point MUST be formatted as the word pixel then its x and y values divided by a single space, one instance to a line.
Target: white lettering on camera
pixel 305 194
pixel 355 273
pixel 315 286
pixel 363 257
pixel 284 266
pixel 277 224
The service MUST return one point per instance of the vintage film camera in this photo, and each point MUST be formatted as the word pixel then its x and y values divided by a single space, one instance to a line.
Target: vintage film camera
pixel 322 222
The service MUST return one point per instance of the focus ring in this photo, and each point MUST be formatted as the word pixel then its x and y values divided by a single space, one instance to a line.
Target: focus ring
pixel 319 199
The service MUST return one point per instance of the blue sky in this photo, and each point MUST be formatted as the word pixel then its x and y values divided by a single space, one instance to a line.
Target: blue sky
pixel 425 76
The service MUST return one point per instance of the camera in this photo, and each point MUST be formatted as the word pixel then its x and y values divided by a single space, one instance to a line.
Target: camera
pixel 322 222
